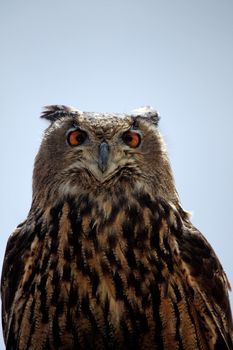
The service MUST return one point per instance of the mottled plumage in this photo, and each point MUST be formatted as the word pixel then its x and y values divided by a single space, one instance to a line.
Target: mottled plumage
pixel 107 258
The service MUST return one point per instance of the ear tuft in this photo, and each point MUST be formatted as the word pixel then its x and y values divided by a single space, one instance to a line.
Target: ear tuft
pixel 148 113
pixel 55 112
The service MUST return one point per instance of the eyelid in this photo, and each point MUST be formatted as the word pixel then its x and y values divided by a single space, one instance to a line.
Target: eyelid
pixel 74 128
pixel 136 131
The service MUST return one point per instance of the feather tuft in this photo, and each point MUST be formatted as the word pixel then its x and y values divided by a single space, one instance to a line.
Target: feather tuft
pixel 148 113
pixel 54 112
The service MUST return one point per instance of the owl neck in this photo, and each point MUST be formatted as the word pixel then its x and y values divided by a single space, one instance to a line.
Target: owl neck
pixel 103 206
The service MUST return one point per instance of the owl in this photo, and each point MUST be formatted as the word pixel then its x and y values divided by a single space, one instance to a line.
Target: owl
pixel 107 257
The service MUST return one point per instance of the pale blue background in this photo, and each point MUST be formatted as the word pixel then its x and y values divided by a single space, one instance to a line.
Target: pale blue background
pixel 106 55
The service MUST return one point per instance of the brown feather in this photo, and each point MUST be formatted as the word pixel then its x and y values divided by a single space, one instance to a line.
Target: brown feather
pixel 112 264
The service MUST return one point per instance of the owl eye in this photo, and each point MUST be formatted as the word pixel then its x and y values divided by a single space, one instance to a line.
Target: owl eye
pixel 132 139
pixel 76 137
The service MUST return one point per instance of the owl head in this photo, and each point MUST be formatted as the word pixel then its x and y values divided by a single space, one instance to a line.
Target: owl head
pixel 102 153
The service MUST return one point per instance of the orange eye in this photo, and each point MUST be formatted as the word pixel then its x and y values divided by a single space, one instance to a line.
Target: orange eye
pixel 132 139
pixel 76 137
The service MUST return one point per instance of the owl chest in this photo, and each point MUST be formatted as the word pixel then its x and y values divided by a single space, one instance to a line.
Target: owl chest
pixel 106 271
pixel 95 281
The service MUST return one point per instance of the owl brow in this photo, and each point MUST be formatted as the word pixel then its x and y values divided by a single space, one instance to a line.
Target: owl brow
pixel 75 124
pixel 135 124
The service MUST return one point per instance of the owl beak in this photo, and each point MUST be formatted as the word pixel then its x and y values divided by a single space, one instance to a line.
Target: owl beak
pixel 103 156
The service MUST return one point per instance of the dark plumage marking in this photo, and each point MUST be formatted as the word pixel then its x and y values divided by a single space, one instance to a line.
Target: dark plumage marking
pixel 218 291
pixel 12 339
pixel 86 206
pixel 83 265
pixel 93 235
pixel 32 330
pixel 56 288
pixel 113 214
pixel 60 306
pixel 85 307
pixel 54 245
pixel 177 322
pixel 154 238
pixel 145 201
pixel 47 345
pixel 142 269
pixel 105 267
pixel 142 321
pixel 146 302
pixel 55 213
pixel 67 254
pixel 112 240
pixel 44 264
pixel 28 284
pixel 56 330
pixel 125 330
pixel 221 344
pixel 155 295
pixel 167 258
pixel 133 324
pixel 133 214
pixel 164 209
pixel 76 225
pixel 66 275
pixel 55 278
pixel 114 262
pixel 73 295
pixel 128 231
pixel 41 231
pixel 31 322
pixel 177 293
pixel 135 283
pixel 118 286
pixel 109 332
pixel 142 237
pixel 95 280
pixel 130 256
pixel 43 299
pixel 69 322
pixel 159 267
pixel 79 260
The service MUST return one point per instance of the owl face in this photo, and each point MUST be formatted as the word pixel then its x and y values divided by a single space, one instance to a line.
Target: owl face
pixel 82 151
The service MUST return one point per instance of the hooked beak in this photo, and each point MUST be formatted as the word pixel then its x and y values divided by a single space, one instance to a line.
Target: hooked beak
pixel 103 156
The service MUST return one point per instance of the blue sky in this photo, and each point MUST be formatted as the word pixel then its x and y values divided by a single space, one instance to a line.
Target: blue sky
pixel 176 56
